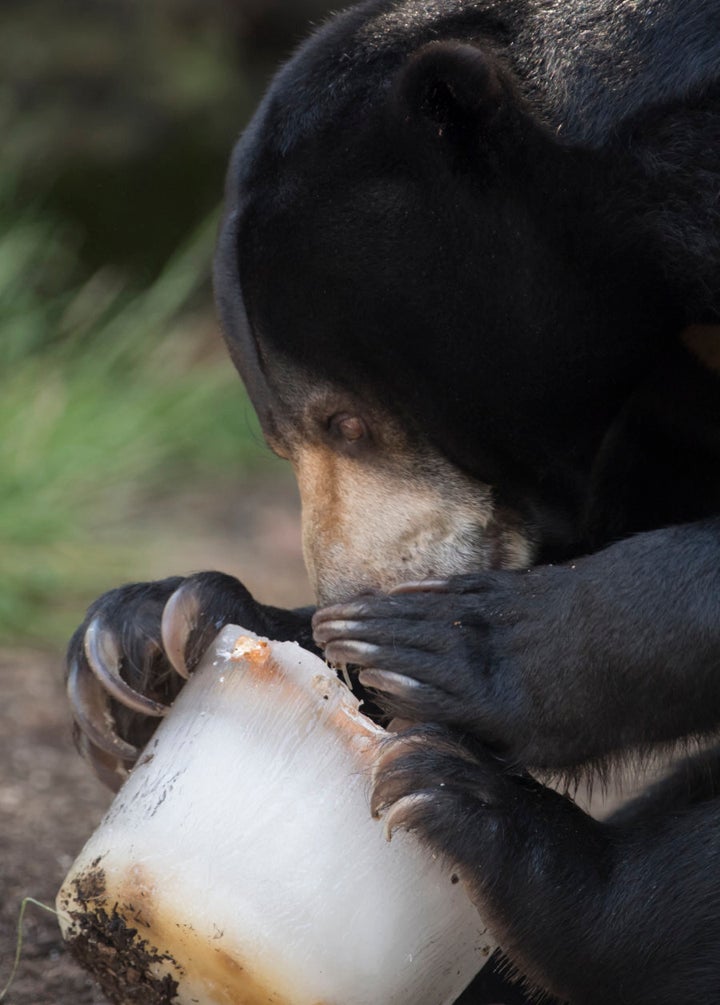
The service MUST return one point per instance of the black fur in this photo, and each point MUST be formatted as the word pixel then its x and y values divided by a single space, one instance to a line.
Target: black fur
pixel 496 218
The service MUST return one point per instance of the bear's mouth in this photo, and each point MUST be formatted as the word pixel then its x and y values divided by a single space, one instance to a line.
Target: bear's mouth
pixel 375 524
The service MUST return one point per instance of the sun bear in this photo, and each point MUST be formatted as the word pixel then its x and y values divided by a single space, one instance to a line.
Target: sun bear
pixel 469 272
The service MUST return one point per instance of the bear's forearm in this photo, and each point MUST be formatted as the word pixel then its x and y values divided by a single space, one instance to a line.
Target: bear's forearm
pixel 631 653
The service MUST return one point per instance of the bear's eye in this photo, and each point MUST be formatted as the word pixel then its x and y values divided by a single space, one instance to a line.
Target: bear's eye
pixel 350 428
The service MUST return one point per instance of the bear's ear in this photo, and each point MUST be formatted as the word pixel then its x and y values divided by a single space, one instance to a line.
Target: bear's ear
pixel 453 90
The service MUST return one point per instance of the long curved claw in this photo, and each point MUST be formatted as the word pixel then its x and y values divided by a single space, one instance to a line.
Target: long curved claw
pixel 406 813
pixel 180 616
pixel 420 586
pixel 90 704
pixel 103 655
pixel 111 771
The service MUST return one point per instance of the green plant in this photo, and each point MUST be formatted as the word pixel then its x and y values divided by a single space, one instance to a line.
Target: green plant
pixel 106 399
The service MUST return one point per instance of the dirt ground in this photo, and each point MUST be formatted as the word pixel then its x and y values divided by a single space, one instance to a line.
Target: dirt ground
pixel 49 800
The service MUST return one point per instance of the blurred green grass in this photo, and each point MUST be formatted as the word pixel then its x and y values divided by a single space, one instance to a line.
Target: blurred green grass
pixel 107 398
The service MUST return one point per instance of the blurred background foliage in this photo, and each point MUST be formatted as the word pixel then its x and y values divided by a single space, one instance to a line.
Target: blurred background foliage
pixel 117 119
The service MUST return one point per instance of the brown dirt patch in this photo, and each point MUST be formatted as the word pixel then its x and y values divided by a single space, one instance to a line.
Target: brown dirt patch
pixel 49 804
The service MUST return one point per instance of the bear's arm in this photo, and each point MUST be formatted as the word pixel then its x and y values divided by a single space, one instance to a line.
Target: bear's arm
pixel 558 665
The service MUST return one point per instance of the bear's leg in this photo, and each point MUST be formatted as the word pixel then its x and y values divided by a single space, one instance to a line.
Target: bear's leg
pixel 626 910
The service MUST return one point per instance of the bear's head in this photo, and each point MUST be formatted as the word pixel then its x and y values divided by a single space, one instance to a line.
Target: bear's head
pixel 421 290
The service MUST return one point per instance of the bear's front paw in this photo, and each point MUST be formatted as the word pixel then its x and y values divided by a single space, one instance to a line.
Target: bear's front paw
pixel 128 659
pixel 452 797
pixel 433 653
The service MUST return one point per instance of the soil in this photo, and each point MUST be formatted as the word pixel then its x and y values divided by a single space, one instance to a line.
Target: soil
pixel 50 802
